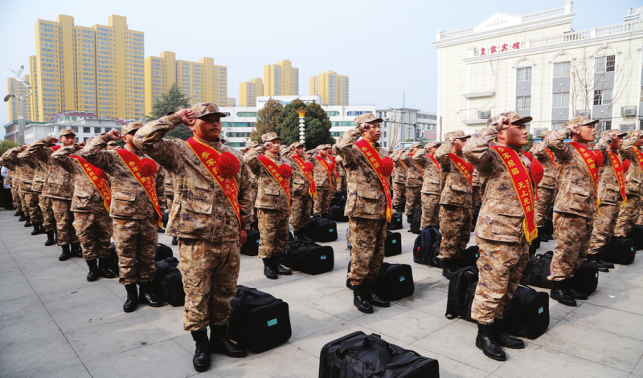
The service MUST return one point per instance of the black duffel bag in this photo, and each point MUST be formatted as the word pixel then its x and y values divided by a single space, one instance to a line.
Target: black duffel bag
pixel 393 244
pixel 527 315
pixel 619 251
pixel 416 220
pixel 251 246
pixel 585 280
pixel 308 257
pixel 168 282
pixel 336 213
pixel 321 230
pixel 396 221
pixel 162 252
pixel 358 355
pixel 394 281
pixel 636 234
pixel 427 247
pixel 258 321
pixel 460 282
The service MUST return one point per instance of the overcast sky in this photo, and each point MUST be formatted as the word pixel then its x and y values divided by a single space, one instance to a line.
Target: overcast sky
pixel 383 46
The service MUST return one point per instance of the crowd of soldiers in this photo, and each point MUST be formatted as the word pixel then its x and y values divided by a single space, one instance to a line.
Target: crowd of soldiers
pixel 83 195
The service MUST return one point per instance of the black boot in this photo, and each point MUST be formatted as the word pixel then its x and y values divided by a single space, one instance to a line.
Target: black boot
pixel 559 293
pixel 51 240
pixel 503 339
pixel 603 262
pixel 201 360
pixel 542 235
pixel 532 251
pixel 161 230
pixel 66 253
pixel 487 342
pixel 280 268
pixel 17 213
pixel 594 257
pixel 28 223
pixel 448 268
pixel 132 298
pixel 269 269
pixel 359 299
pixel 220 343
pixel 300 235
pixel 372 297
pixel 76 250
pixel 23 217
pixel 147 296
pixel 576 295
pixel 93 270
pixel 103 266
pixel 175 241
pixel 37 229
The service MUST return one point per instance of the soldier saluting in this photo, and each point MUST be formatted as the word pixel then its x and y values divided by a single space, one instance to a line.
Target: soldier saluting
pixel 303 190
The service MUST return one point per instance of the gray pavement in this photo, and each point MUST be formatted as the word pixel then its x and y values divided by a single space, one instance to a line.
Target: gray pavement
pixel 53 323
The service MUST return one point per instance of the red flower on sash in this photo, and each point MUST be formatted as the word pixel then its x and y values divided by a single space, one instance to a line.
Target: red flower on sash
pixel 285 171
pixel 228 165
pixel 626 165
pixel 599 158
pixel 387 166
pixel 147 167
pixel 309 166
pixel 529 156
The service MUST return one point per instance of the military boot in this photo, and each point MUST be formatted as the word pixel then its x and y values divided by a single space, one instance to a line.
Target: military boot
pixel 147 296
pixel 17 213
pixel 175 241
pixel 76 250
pixel 131 303
pixel 594 257
pixel 51 240
pixel 503 339
pixel 603 262
pixel 28 223
pixel 66 253
pixel 448 268
pixel 201 360
pixel 23 217
pixel 559 292
pixel 220 343
pixel 487 342
pixel 360 301
pixel 300 235
pixel 37 229
pixel 93 270
pixel 373 298
pixel 269 269
pixel 103 264
pixel 280 268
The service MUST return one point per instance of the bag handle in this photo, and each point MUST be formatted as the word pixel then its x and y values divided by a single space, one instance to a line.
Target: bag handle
pixel 383 354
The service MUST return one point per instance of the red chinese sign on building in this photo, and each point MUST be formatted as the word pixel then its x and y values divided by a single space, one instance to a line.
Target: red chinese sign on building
pixel 504 47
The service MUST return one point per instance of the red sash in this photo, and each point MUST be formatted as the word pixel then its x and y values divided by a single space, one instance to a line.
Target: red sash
pixel 523 186
pixel 374 159
pixel 590 161
pixel 147 183
pixel 463 166
pixel 404 166
pixel 327 168
pixel 309 175
pixel 94 174
pixel 417 165
pixel 273 168
pixel 334 167
pixel 56 147
pixel 209 157
pixel 551 157
pixel 639 156
pixel 620 173
pixel 434 161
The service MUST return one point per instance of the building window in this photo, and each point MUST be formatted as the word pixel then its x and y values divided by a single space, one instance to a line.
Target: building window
pixel 87 130
pixel 602 97
pixel 355 113
pixel 75 128
pixel 523 74
pixel 523 103
pixel 605 63
pixel 561 100
pixel 332 113
pixel 97 130
pixel 246 114
pixel 562 69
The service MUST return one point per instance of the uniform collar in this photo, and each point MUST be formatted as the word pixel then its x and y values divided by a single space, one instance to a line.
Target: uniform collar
pixel 216 144
pixel 133 150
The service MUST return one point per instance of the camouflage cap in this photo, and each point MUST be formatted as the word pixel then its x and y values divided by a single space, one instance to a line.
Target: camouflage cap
pixel 617 131
pixel 323 146
pixel 580 121
pixel 64 132
pixel 457 135
pixel 513 116
pixel 431 145
pixel 267 137
pixel 132 126
pixel 545 134
pixel 636 134
pixel 205 108
pixel 416 144
pixel 297 145
pixel 366 118
pixel 253 143
pixel 112 143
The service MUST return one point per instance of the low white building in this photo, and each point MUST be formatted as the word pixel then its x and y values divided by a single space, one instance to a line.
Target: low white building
pixel 85 125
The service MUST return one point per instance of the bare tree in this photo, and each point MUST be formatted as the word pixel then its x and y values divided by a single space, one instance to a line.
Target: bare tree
pixel 396 128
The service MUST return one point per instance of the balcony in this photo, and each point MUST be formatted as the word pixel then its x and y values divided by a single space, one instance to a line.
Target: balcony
pixel 625 27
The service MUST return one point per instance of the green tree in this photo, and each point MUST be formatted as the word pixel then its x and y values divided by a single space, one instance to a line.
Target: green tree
pixel 530 143
pixel 171 101
pixel 317 124
pixel 267 119
pixel 6 145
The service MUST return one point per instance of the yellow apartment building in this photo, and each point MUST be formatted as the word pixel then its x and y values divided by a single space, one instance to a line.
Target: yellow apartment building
pixel 17 88
pixel 331 87
pixel 248 92
pixel 281 79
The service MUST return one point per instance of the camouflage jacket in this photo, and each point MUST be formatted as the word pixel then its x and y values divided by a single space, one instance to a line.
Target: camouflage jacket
pixel 129 199
pixel 501 215
pixel 431 183
pixel 10 173
pixel 169 183
pixel 549 177
pixel 200 209
pixel 366 197
pixel 322 180
pixel 58 182
pixel 457 190
pixel 85 198
pixel 608 190
pixel 271 195
pixel 576 193
pixel 634 186
pixel 341 171
pixel 476 181
pixel 399 171
pixel 413 173
pixel 23 167
pixel 300 184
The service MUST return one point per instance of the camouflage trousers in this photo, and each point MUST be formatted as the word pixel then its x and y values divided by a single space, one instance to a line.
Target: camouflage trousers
pixel 399 195
pixel 455 227
pixel 413 199
pixel 476 193
pixel 169 200
pixel 48 220
pixel 32 199
pixel 23 202
pixel 17 203
pixel 500 268
pixel 640 220
pixel 368 238
pixel 604 225
pixel 95 234
pixel 136 241
pixel 543 206
pixel 273 228
pixel 210 271
pixel 627 216
pixel 300 208
pixel 65 231
pixel 430 210
pixel 341 184
pixel 322 200
pixel 572 234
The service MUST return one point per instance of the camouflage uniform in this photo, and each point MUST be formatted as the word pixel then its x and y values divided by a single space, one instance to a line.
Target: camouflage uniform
pixel 413 182
pixel 341 174
pixel 322 183
pixel 574 206
pixel 504 251
pixel 546 188
pixel 628 214
pixel 365 206
pixel 91 219
pixel 14 182
pixel 253 189
pixel 430 187
pixel 455 202
pixel 134 216
pixel 399 181
pixel 169 189
pixel 28 198
pixel 640 220
pixel 40 158
pixel 476 189
pixel 203 219
pixel 300 198
pixel 273 209
pixel 609 195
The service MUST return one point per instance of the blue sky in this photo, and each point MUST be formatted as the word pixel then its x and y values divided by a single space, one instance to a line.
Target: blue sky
pixel 383 46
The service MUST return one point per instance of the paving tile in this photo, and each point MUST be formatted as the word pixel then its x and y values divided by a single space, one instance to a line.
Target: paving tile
pixel 76 371
pixel 37 357
pixel 427 298
pixel 618 300
pixel 339 304
pixel 23 320
pixel 272 364
pixel 306 320
pixel 638 369
pixel 613 321
pixel 450 368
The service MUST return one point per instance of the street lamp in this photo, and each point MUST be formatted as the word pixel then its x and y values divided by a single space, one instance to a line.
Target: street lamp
pixel 302 126
pixel 22 123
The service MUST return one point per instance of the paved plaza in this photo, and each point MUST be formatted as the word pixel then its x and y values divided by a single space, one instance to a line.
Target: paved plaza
pixel 53 323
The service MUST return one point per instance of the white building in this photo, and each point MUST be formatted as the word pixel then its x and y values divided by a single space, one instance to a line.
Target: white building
pixel 539 65
pixel 405 125
pixel 85 125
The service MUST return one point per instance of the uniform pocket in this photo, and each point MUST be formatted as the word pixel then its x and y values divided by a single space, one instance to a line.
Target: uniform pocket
pixel 579 199
pixel 123 204
pixel 507 223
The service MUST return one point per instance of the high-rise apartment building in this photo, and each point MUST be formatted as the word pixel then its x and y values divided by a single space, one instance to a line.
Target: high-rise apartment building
pixel 248 92
pixel 96 69
pixel 331 87
pixel 17 88
pixel 201 81
pixel 281 79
